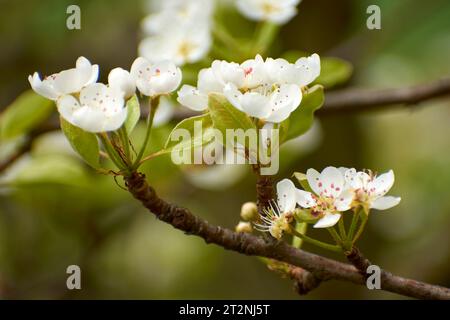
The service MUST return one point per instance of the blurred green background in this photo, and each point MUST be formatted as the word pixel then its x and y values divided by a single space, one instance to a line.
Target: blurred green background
pixel 58 212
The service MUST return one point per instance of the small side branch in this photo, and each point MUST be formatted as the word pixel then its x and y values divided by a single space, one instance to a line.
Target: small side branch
pixel 360 100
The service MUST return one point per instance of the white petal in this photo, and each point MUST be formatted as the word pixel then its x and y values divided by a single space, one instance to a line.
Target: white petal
pixel 284 100
pixel 233 95
pixel 384 203
pixel 382 184
pixel 286 195
pixel 165 77
pixel 344 200
pixel 255 105
pixel 139 64
pixel 308 69
pixel 208 82
pixel 120 79
pixel 190 97
pixel 67 105
pixel 305 199
pixel 228 72
pixel 331 182
pixel 44 88
pixel 72 80
pixel 313 177
pixel 328 220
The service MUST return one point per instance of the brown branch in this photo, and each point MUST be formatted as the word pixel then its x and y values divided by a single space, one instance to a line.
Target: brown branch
pixel 359 100
pixel 183 219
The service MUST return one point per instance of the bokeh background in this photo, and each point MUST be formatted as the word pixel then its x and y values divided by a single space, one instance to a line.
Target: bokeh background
pixel 56 212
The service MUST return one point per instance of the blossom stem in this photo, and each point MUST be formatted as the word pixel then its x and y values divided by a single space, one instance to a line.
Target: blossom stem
pixel 355 219
pixel 315 242
pixel 335 235
pixel 342 232
pixel 110 151
pixel 123 135
pixel 265 34
pixel 361 228
pixel 301 228
pixel 227 39
pixel 153 105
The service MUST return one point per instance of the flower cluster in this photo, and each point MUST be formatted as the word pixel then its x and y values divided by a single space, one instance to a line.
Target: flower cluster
pixel 276 11
pixel 265 89
pixel 179 30
pixel 97 107
pixel 334 190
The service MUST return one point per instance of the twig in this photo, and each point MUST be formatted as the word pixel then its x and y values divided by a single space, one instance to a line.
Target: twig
pixel 359 100
pixel 183 219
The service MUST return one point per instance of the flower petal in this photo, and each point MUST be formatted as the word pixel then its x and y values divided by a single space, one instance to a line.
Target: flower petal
pixel 308 69
pixel 305 199
pixel 382 184
pixel 328 220
pixel 286 193
pixel 120 79
pixel 384 203
pixel 331 182
pixel 344 200
pixel 44 88
pixel 190 97
pixel 66 106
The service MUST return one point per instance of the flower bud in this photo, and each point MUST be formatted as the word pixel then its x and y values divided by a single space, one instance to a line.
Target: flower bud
pixel 244 227
pixel 249 211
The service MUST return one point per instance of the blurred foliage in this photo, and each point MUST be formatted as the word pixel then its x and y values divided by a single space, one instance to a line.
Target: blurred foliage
pixel 60 212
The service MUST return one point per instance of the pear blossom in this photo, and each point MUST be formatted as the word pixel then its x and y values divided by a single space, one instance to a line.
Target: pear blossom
pixel 122 80
pixel 276 11
pixel 330 196
pixel 154 79
pixel 303 72
pixel 180 31
pixel 278 217
pixel 370 189
pixel 98 108
pixel 269 90
pixel 182 13
pixel 65 82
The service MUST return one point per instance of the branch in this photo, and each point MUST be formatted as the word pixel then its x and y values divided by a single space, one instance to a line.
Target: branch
pixel 359 100
pixel 183 219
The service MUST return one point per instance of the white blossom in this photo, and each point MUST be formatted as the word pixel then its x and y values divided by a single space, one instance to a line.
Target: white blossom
pixel 269 90
pixel 277 218
pixel 65 82
pixel 122 80
pixel 179 31
pixel 330 196
pixel 99 108
pixel 276 11
pixel 154 79
pixel 370 189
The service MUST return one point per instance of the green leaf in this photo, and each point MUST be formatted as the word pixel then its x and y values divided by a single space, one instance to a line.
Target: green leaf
pixel 133 113
pixel 334 71
pixel 199 130
pixel 52 169
pixel 225 116
pixel 84 143
pixel 26 112
pixel 302 118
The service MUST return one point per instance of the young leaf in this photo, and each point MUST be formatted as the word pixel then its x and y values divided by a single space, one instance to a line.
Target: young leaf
pixel 84 143
pixel 225 116
pixel 199 129
pixel 133 113
pixel 334 71
pixel 302 118
pixel 301 178
pixel 24 114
